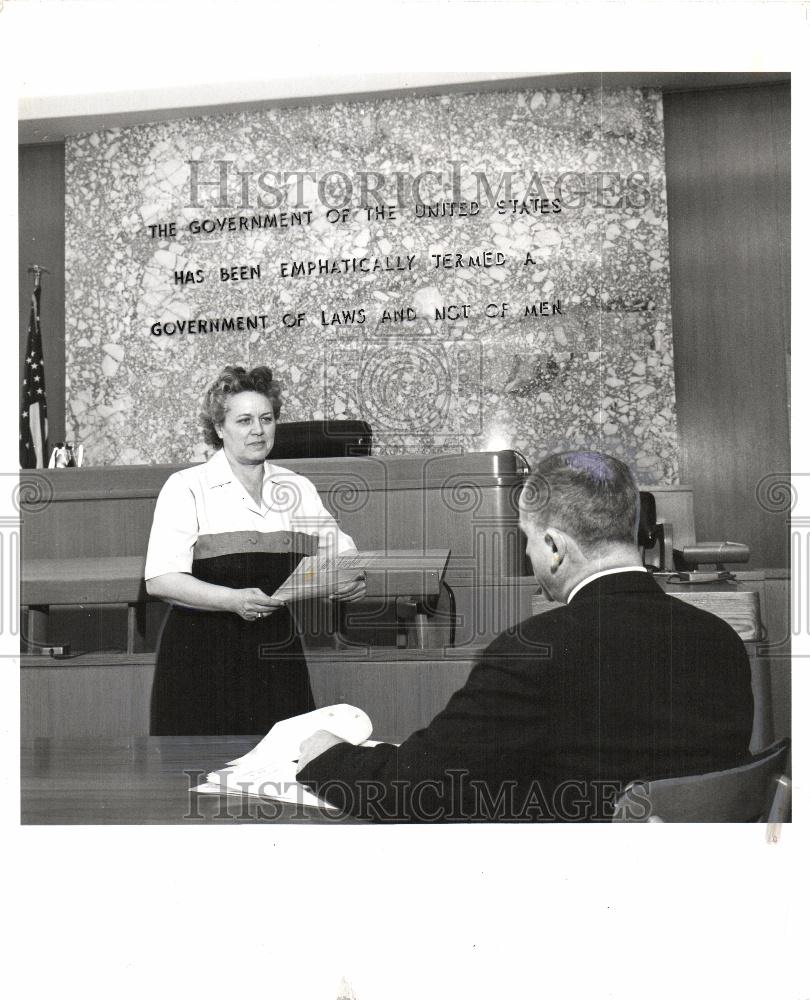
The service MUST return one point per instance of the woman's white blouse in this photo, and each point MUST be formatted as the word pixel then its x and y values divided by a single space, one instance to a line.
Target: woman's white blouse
pixel 208 499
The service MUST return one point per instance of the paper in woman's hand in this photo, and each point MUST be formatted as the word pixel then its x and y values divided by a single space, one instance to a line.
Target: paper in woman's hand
pixel 314 576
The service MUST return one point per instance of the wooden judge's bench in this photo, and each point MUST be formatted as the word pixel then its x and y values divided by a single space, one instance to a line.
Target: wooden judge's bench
pixel 84 539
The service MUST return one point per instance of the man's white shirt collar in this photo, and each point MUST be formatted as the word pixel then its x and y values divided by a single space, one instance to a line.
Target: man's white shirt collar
pixel 604 572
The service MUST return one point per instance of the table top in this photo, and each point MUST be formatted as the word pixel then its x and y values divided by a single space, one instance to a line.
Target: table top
pixel 143 779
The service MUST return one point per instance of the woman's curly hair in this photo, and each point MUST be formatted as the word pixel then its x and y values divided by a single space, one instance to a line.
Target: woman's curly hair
pixel 230 381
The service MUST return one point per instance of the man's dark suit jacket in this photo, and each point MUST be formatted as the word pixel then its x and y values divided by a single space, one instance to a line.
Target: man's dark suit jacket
pixel 561 712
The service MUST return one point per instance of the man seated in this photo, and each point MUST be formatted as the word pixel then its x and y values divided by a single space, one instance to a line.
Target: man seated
pixel 621 683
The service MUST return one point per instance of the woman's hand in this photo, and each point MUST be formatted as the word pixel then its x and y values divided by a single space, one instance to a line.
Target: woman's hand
pixel 253 604
pixel 349 588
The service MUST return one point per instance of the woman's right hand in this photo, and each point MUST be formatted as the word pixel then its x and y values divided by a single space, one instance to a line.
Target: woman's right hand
pixel 253 604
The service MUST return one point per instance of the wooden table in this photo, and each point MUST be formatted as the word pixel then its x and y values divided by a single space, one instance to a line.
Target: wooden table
pixel 143 779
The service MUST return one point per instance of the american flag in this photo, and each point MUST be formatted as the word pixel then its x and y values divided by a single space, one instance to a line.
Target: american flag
pixel 34 412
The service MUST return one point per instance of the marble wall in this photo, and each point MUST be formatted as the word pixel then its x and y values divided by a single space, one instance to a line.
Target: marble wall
pixel 596 371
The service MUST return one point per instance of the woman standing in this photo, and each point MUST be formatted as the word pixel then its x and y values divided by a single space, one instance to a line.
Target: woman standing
pixel 226 535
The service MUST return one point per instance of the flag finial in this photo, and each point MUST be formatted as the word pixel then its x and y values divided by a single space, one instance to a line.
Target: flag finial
pixel 37 270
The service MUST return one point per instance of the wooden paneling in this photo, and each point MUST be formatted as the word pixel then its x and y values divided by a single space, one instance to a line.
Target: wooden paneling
pixel 42 241
pixel 398 696
pixel 87 698
pixel 399 502
pixel 467 503
pixel 728 188
pixel 400 689
pixel 401 692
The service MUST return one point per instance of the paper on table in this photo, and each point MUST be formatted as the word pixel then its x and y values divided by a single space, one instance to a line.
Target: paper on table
pixel 269 769
pixel 282 788
pixel 282 742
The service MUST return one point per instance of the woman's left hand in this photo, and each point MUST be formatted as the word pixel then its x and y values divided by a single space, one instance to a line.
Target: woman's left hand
pixel 352 589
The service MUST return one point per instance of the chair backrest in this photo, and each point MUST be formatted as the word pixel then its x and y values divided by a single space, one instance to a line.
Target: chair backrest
pixel 647 520
pixel 321 439
pixel 741 794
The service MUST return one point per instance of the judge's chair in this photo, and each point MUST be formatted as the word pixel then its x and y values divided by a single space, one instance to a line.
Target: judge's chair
pixel 321 439
pixel 758 791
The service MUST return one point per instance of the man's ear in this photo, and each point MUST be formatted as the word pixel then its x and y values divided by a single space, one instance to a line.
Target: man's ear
pixel 557 541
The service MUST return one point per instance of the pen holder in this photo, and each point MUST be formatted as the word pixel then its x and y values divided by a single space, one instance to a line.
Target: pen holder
pixel 66 455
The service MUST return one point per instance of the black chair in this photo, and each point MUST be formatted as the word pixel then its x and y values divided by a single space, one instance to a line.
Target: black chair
pixel 654 536
pixel 647 534
pixel 758 791
pixel 321 439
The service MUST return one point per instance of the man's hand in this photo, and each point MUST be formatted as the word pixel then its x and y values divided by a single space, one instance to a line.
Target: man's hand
pixel 313 746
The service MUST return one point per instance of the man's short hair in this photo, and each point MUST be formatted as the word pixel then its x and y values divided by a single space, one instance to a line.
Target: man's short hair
pixel 588 495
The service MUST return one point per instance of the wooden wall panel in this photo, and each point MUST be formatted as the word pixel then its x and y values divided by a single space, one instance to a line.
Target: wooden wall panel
pixel 103 699
pixel 42 241
pixel 86 699
pixel 728 188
